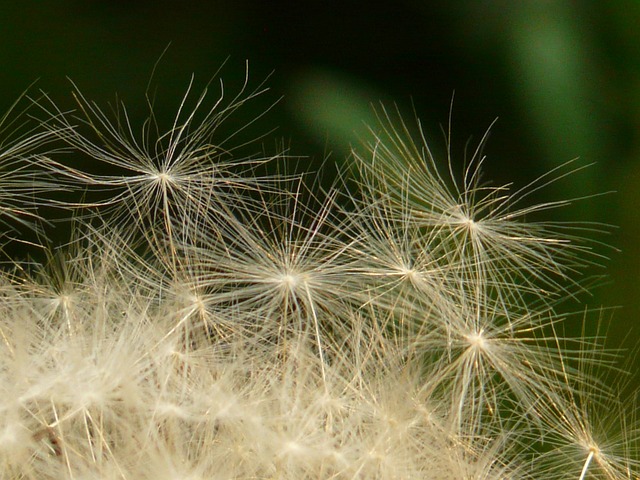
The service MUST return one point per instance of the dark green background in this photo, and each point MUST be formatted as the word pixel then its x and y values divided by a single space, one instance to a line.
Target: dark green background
pixel 562 77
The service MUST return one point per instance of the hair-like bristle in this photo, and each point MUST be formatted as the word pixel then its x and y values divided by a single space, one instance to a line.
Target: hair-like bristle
pixel 209 319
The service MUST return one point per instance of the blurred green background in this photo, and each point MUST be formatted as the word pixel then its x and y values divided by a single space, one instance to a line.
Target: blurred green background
pixel 563 79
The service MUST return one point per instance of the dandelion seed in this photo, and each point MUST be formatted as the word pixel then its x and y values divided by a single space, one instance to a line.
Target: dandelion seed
pixel 165 177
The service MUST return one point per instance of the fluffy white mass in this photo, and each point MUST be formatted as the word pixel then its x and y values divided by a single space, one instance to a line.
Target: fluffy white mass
pixel 214 319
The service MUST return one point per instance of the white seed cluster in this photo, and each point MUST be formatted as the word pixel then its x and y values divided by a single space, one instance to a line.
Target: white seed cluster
pixel 211 319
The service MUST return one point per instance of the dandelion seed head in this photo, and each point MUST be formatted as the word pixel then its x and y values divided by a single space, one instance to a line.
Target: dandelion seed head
pixel 477 341
pixel 163 178
pixel 166 409
pixel 225 323
pixel 197 302
pixel 13 436
pixel 290 280
pixel 470 223
pixel 291 447
pixel 461 214
pixel 409 273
